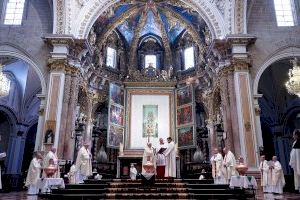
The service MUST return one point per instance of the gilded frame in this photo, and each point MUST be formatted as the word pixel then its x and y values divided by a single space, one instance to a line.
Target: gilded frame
pixel 170 92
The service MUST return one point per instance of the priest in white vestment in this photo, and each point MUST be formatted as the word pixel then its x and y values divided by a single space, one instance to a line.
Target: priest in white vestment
pixel 216 162
pixel 51 155
pixel 33 174
pixel 149 156
pixel 170 153
pixel 295 159
pixel 161 159
pixel 265 175
pixel 84 163
pixel 229 164
pixel 72 174
pixel 2 155
pixel 277 176
pixel 133 172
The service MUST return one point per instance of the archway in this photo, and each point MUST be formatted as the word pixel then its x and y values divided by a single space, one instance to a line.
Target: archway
pixel 278 110
pixel 29 147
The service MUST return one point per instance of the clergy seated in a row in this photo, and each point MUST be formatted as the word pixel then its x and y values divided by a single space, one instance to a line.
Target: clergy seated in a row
pixel 272 177
pixel 163 160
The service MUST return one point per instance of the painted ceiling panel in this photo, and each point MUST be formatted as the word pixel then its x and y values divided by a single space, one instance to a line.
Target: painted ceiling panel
pixel 151 26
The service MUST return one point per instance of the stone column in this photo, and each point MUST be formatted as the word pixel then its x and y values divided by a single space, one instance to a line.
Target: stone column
pixel 69 144
pixel 244 103
pixel 39 132
pixel 64 116
pixel 58 62
pixel 257 120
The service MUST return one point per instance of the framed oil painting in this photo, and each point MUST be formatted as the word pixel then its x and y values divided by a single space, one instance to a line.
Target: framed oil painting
pixel 184 96
pixel 150 121
pixel 185 115
pixel 116 94
pixel 115 136
pixel 116 115
pixel 185 136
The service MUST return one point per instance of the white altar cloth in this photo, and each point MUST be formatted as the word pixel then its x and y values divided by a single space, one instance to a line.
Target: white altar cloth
pixel 45 184
pixel 247 182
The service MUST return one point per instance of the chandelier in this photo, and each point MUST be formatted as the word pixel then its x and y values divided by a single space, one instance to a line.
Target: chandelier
pixel 293 84
pixel 4 83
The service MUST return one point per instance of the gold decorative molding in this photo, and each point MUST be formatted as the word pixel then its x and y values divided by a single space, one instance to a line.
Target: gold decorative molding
pixel 170 84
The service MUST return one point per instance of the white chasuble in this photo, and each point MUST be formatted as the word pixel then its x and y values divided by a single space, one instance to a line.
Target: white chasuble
pixel 84 162
pixel 170 153
pixel 278 180
pixel 216 163
pixel 229 163
pixel 34 172
pixel 295 164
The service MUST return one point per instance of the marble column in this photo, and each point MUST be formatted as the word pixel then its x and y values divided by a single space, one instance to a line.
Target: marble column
pixel 244 100
pixel 58 62
pixel 70 126
pixel 64 116
pixel 41 120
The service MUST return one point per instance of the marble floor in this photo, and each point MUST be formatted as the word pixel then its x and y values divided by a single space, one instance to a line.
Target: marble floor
pixel 259 196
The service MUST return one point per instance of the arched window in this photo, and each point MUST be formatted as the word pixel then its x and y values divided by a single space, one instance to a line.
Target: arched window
pixel 150 60
pixel 14 12
pixel 189 60
pixel 284 12
pixel 111 57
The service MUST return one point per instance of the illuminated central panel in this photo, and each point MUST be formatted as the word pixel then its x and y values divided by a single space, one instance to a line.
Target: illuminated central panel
pixel 149 116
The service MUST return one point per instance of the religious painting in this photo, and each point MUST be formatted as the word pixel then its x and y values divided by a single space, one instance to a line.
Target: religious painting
pixel 50 130
pixel 184 95
pixel 116 94
pixel 185 115
pixel 115 136
pixel 185 136
pixel 150 124
pixel 116 115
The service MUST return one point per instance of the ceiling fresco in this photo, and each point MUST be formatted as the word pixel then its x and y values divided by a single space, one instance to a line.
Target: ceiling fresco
pixel 169 17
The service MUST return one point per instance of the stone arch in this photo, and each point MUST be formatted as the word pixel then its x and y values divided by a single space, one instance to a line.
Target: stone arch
pixel 283 54
pixel 91 11
pixel 26 58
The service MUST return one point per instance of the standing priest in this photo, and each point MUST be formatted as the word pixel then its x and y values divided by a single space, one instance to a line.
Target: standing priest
pixel 170 153
pixel 216 162
pixel 33 174
pixel 84 162
pixel 295 159
pixel 277 176
pixel 161 159
pixel 229 163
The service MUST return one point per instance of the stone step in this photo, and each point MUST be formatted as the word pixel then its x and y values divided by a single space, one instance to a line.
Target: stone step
pixel 206 186
pixel 148 196
pixel 146 190
pixel 79 191
pixel 86 186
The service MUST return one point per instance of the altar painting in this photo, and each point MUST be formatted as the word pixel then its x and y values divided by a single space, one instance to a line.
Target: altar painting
pixel 185 136
pixel 115 136
pixel 150 123
pixel 116 94
pixel 116 115
pixel 185 115
pixel 184 95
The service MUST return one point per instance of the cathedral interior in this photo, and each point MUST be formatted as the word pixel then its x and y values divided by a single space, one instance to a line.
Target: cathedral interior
pixel 208 73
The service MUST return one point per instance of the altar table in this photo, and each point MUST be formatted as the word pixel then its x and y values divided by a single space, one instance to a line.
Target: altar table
pixel 45 184
pixel 246 182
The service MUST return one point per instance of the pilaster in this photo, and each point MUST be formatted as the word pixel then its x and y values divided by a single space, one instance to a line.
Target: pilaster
pixel 243 96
